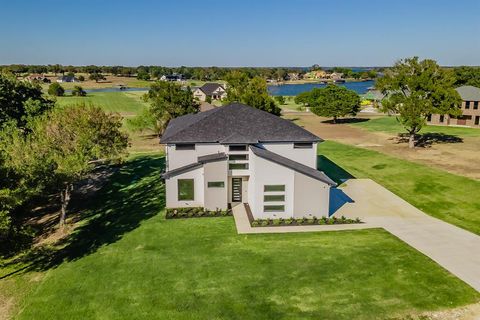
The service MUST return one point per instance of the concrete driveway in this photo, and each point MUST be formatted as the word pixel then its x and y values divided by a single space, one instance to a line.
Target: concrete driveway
pixel 455 249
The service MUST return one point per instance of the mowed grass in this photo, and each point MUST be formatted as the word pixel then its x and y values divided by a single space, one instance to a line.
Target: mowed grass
pixel 441 194
pixel 127 103
pixel 391 125
pixel 127 262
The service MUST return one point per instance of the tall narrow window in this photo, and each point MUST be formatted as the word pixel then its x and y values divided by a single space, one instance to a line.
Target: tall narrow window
pixel 477 120
pixel 186 190
pixel 475 105
pixel 442 118
pixel 429 117
pixel 467 104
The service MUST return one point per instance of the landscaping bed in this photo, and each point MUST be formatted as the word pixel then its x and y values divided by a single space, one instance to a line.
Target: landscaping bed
pixel 195 212
pixel 303 221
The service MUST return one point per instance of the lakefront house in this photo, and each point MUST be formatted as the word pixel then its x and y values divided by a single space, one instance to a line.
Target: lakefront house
pixel 238 154
pixel 210 90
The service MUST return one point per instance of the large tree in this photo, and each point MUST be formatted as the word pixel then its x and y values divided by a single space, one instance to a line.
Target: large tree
pixel 168 100
pixel 332 101
pixel 252 92
pixel 414 90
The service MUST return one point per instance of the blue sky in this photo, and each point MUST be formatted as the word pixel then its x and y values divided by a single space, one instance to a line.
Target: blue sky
pixel 238 33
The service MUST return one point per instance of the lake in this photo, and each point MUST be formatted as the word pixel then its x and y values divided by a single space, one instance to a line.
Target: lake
pixel 359 87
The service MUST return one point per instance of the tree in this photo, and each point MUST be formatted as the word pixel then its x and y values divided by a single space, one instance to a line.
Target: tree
pixel 252 92
pixel 78 91
pixel 167 101
pixel 143 75
pixel 280 100
pixel 81 78
pixel 20 101
pixel 416 89
pixel 469 76
pixel 333 101
pixel 55 89
pixel 97 76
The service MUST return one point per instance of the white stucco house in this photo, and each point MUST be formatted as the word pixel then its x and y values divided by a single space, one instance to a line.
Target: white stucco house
pixel 238 154
pixel 213 90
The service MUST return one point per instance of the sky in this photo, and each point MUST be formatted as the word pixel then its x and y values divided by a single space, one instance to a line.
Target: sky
pixel 238 33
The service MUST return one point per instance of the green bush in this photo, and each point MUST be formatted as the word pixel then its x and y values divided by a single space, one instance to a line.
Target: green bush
pixel 303 221
pixel 55 89
pixel 195 212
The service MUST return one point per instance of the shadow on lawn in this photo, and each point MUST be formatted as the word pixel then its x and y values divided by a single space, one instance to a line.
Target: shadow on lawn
pixel 426 140
pixel 334 171
pixel 134 193
pixel 346 120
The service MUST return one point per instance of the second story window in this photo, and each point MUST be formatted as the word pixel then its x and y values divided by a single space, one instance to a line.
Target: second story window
pixel 475 105
pixel 237 148
pixel 467 104
pixel 238 157
pixel 185 146
pixel 303 145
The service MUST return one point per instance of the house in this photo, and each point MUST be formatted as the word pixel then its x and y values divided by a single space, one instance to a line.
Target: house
pixel 238 154
pixel 316 74
pixel 470 109
pixel 172 77
pixel 67 79
pixel 213 90
pixel 293 76
pixel 37 77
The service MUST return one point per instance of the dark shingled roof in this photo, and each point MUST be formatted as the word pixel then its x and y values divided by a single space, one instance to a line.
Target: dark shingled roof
pixel 234 123
pixel 469 93
pixel 209 88
pixel 200 162
pixel 301 168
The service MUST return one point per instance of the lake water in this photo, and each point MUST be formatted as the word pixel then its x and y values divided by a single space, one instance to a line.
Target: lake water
pixel 294 89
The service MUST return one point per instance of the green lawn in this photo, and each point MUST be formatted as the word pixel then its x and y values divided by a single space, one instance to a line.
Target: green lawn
pixel 391 125
pixel 122 102
pixel 127 262
pixel 436 192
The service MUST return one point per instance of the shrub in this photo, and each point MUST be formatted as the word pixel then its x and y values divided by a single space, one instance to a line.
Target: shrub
pixel 78 91
pixel 55 89
pixel 192 212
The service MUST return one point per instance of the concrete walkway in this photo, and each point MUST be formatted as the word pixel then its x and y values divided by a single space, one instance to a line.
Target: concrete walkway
pixel 455 249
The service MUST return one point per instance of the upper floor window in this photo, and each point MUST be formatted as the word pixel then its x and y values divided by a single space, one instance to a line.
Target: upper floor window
pixel 303 145
pixel 185 146
pixel 238 157
pixel 237 148
pixel 467 104
pixel 475 105
pixel 238 166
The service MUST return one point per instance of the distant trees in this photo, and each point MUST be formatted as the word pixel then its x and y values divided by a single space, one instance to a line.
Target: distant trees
pixel 467 76
pixel 78 91
pixel 167 101
pixel 252 92
pixel 96 76
pixel 280 100
pixel 332 101
pixel 143 75
pixel 55 89
pixel 81 78
pixel 415 89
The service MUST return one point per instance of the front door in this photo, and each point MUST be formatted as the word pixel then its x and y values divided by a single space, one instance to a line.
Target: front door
pixel 236 189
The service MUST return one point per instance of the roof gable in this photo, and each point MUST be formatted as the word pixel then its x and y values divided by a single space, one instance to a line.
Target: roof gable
pixel 210 88
pixel 234 123
pixel 469 93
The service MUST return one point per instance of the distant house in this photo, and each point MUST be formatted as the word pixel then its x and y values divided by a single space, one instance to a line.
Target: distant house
pixel 293 76
pixel 213 90
pixel 172 77
pixel 239 155
pixel 67 79
pixel 316 74
pixel 335 75
pixel 470 110
pixel 37 77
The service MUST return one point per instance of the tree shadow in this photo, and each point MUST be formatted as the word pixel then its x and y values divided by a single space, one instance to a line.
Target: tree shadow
pixel 346 120
pixel 427 139
pixel 133 194
pixel 331 169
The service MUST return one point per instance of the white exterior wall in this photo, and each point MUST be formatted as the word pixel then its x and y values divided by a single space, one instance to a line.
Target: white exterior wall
pixel 180 158
pixel 269 173
pixel 311 197
pixel 307 157
pixel 215 197
pixel 171 186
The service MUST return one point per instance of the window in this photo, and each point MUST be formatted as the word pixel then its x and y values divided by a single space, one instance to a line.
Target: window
pixel 216 184
pixel 429 117
pixel 270 198
pixel 238 157
pixel 477 120
pixel 184 147
pixel 185 189
pixel 273 187
pixel 475 105
pixel 237 148
pixel 467 104
pixel 272 208
pixel 238 166
pixel 442 118
pixel 303 145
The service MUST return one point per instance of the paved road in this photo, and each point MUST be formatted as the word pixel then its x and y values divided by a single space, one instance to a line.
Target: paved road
pixel 455 249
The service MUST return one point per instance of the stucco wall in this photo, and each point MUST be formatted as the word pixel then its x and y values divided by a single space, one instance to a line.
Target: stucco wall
pixel 311 197
pixel 215 197
pixel 171 186
pixel 307 157
pixel 180 158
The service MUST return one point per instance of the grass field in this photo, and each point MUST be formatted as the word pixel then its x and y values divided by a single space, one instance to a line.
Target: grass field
pixel 391 125
pixel 436 192
pixel 126 261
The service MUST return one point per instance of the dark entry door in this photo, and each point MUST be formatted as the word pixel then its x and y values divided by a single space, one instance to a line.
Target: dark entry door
pixel 236 189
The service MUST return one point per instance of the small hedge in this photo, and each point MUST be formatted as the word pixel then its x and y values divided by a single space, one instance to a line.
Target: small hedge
pixel 195 212
pixel 303 221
